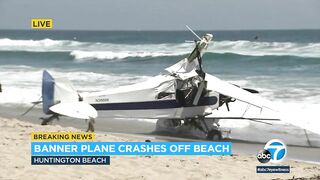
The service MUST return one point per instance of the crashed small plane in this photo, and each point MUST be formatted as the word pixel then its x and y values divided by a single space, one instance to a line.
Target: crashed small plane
pixel 184 96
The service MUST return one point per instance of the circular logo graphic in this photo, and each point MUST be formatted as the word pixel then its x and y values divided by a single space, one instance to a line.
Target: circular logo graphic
pixel 278 150
pixel 264 156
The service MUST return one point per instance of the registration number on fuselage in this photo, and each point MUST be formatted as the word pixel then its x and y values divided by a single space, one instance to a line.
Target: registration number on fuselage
pixel 102 100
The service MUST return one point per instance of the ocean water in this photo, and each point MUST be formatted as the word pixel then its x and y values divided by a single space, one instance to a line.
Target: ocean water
pixel 283 65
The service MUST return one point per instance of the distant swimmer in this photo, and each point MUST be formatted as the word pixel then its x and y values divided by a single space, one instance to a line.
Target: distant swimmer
pixel 256 38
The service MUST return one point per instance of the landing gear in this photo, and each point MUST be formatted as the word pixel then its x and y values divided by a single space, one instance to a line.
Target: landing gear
pixel 214 135
pixel 167 124
pixel 210 127
pixel 196 127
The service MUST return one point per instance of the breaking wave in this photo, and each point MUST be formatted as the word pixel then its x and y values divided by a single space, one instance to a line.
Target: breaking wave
pixel 255 48
pixel 22 84
pixel 100 55
pixel 38 45
pixel 97 50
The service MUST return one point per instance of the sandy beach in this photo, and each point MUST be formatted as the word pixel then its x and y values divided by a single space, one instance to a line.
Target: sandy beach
pixel 15 161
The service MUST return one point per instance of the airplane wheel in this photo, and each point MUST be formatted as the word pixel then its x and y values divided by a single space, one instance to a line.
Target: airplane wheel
pixel 163 125
pixel 214 135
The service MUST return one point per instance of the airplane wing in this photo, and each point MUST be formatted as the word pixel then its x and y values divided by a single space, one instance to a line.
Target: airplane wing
pixel 227 89
pixel 80 110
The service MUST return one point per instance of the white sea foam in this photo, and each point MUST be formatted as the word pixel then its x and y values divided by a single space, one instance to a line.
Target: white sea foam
pixel 44 45
pixel 101 55
pixel 267 48
pixel 21 85
pixel 304 115
pixel 97 50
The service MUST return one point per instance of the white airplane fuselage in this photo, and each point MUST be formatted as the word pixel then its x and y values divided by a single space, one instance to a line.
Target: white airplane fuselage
pixel 140 101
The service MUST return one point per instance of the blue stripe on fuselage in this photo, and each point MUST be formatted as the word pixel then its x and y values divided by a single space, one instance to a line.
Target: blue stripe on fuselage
pixel 159 104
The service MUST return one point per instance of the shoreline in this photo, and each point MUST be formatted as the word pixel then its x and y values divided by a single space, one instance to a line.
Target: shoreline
pixel 255 133
pixel 15 159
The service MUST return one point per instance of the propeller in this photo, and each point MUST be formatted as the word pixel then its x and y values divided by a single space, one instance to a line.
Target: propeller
pixel 227 104
pixel 227 99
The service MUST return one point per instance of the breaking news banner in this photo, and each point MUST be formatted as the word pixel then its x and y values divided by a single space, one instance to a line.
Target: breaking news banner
pixel 62 148
pixel 130 148
pixel 62 136
pixel 66 160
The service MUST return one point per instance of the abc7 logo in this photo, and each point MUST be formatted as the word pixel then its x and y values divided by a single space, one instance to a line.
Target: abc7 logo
pixel 274 151
pixel 264 156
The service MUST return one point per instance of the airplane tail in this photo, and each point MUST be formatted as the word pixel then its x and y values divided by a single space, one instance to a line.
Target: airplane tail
pixel 60 97
pixel 47 92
